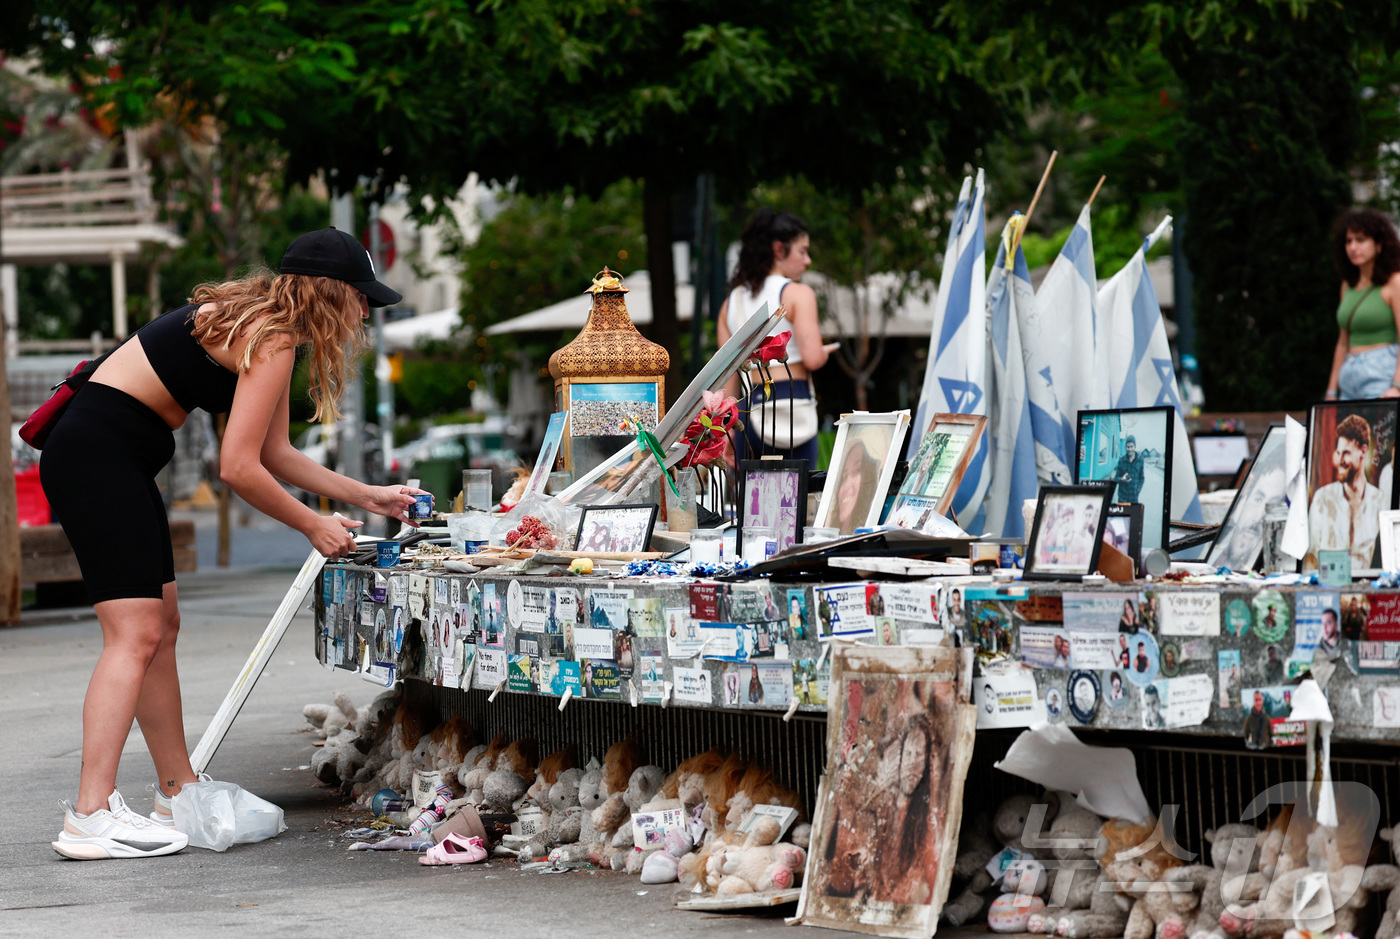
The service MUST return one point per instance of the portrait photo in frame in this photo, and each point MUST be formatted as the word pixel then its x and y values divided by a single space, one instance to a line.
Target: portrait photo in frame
pixel 1067 535
pixel 1240 542
pixel 1132 448
pixel 1123 530
pixel 773 494
pixel 1351 459
pixel 607 529
pixel 937 467
pixel 862 463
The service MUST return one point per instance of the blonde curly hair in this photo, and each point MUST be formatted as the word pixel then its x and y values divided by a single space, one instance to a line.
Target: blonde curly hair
pixel 306 310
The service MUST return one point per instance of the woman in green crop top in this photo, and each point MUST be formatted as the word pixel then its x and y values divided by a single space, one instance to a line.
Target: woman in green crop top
pixel 1366 363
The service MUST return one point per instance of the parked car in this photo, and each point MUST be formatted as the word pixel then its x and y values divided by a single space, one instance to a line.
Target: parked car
pixel 439 456
pixel 322 443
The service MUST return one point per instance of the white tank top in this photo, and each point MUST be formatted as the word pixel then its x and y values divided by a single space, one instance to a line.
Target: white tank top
pixel 743 304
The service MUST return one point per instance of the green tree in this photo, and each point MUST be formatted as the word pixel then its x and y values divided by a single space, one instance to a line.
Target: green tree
pixel 551 93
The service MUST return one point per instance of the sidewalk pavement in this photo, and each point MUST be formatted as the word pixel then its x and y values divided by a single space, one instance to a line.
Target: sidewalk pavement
pixel 304 880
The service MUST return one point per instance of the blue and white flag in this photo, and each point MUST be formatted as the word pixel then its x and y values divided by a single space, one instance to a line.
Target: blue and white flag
pixel 955 379
pixel 1014 477
pixel 1066 362
pixel 1141 373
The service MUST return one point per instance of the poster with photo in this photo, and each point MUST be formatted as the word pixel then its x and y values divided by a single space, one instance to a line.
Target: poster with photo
pixel 493 626
pixel 810 681
pixel 775 688
pixel 692 686
pixel 841 612
pixel 1351 456
pixel 606 409
pixel 1045 647
pixel 601 679
pixel 1229 677
pixel 1316 619
pixel 560 675
pixel 992 623
pixel 1266 719
pixel 891 878
pixel 797 612
pixel 752 603
pixel 914 603
pixel 607 608
pixel 1108 610
pixel 645 617
pixel 1009 700
pixel 683 640
pixel 652 673
pixel 521 673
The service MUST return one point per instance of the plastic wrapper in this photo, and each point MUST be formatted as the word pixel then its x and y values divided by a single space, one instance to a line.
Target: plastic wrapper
pixel 542 519
pixel 216 815
pixel 465 527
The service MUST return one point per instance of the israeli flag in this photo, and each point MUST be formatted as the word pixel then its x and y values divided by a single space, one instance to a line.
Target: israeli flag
pixel 1066 360
pixel 1142 374
pixel 955 379
pixel 1014 477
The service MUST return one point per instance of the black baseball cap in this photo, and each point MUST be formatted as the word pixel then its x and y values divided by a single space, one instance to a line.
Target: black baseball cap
pixel 333 253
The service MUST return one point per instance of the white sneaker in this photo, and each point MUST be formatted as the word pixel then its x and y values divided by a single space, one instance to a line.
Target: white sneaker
pixel 164 815
pixel 114 832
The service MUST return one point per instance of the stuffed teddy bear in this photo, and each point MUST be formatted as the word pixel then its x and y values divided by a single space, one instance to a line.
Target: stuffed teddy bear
pixel 1008 829
pixel 469 761
pixel 1022 884
pixel 1075 841
pixel 503 787
pixel 757 864
pixel 664 866
pixel 1197 910
pixel 1380 877
pixel 454 738
pixel 1136 860
pixel 590 796
pixel 644 783
pixel 1339 853
pixel 565 814
pixel 473 779
pixel 327 720
pixel 547 774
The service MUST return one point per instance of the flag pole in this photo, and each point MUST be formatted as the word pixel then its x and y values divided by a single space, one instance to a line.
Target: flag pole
pixel 1096 190
pixel 1034 199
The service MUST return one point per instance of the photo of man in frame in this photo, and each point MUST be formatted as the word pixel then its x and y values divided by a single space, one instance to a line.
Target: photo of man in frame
pixel 1351 449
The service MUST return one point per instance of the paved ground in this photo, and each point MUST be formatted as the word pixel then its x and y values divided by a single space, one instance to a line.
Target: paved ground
pixel 303 881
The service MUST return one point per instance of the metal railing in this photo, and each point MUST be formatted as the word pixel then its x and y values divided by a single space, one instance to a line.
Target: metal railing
pixel 91 197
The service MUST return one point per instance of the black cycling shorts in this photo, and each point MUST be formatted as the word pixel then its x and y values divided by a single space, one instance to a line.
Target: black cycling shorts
pixel 99 469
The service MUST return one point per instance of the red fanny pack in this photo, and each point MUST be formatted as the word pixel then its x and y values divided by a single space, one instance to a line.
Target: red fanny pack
pixel 36 430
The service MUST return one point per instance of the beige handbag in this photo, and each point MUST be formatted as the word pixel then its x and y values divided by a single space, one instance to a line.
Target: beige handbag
pixel 783 422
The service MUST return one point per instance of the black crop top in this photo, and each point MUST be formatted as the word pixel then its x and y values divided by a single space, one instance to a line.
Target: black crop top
pixel 193 379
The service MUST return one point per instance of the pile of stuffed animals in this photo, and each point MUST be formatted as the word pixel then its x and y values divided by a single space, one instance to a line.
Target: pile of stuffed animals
pixel 1043 864
pixel 580 811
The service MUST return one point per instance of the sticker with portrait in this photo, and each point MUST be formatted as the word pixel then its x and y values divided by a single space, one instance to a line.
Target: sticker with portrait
pixel 1351 456
pixel 1317 628
pixel 810 680
pixel 1229 677
pixel 1143 658
pixel 1083 695
pixel 1054 704
pixel 1272 615
pixel 1114 694
pixel 797 612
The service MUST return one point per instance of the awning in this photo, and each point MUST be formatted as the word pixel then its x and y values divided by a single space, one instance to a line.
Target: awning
pixel 573 312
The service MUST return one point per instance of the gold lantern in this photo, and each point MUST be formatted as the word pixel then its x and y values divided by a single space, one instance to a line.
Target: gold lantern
pixel 607 378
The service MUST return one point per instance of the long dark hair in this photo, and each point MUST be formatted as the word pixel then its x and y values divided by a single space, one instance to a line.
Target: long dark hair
pixel 1378 228
pixel 756 245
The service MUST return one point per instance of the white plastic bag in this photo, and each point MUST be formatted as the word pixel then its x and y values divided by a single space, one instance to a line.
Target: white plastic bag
pixel 217 814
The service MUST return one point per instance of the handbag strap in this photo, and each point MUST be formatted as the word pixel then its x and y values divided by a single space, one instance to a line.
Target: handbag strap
pixel 1355 306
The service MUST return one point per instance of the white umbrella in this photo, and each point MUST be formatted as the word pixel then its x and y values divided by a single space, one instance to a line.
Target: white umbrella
pixel 573 312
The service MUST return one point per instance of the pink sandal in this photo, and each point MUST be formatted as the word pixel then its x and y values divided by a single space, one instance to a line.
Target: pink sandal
pixel 455 849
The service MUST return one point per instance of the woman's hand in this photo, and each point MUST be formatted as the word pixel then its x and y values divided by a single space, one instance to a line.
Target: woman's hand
pixel 330 535
pixel 392 502
pixel 1391 392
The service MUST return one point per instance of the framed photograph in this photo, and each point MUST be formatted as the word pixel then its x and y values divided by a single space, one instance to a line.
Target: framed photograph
pixel 890 879
pixel 549 452
pixel 1068 532
pixel 1131 448
pixel 938 466
pixel 1351 457
pixel 862 463
pixel 1124 530
pixel 1390 521
pixel 615 528
pixel 1240 542
pixel 1219 453
pixel 773 494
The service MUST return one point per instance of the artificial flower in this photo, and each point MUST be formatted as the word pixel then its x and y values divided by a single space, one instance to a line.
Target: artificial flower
pixel 774 348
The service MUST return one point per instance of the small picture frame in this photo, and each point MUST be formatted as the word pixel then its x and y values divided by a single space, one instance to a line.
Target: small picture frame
pixel 862 464
pixel 1124 530
pixel 1132 448
pixel 773 494
pixel 1390 522
pixel 615 529
pixel 937 467
pixel 1067 536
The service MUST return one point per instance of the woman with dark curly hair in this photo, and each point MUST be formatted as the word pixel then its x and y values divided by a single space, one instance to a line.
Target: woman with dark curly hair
pixel 772 258
pixel 1367 254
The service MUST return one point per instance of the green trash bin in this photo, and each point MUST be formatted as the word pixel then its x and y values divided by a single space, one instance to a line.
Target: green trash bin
pixel 442 477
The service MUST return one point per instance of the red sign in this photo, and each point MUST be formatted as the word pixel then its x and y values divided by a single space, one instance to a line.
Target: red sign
pixel 387 251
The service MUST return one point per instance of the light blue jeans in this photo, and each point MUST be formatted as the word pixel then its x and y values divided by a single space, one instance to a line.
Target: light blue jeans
pixel 1367 374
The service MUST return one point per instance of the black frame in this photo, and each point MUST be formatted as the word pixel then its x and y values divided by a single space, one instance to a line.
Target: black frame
pixel 1394 405
pixel 1132 511
pixel 799 467
pixel 1241 491
pixel 1050 492
pixel 1168 450
pixel 651 508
